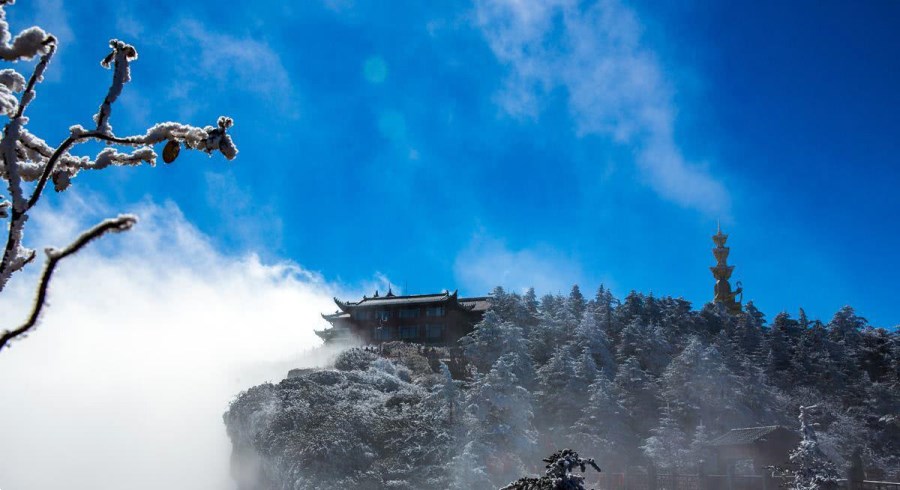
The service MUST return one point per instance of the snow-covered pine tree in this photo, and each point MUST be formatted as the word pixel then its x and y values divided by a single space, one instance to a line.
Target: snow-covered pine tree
pixel 667 447
pixel 637 391
pixel 699 387
pixel 812 470
pixel 560 474
pixel 551 329
pixel 699 451
pixel 646 344
pixel 500 431
pixel 603 427
pixel 495 337
pixel 577 303
pixel 558 394
pixel 590 338
pixel 28 163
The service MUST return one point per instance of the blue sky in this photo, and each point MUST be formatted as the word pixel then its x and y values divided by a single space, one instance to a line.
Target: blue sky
pixel 463 145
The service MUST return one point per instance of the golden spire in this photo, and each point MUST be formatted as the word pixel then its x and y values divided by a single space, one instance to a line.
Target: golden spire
pixel 722 273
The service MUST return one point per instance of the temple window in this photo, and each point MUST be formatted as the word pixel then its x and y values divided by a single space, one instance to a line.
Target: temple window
pixel 362 314
pixel 434 332
pixel 384 333
pixel 410 332
pixel 409 313
pixel 435 311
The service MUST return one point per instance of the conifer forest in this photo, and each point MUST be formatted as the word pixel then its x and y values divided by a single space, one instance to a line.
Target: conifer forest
pixel 640 381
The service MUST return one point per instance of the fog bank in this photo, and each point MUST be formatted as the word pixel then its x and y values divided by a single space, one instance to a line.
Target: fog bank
pixel 147 338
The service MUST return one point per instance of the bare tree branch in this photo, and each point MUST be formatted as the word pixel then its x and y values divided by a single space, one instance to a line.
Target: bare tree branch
pixel 114 225
pixel 26 158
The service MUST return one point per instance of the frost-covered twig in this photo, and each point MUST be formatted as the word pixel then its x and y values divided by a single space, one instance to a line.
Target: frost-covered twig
pixel 14 255
pixel 27 44
pixel 25 157
pixel 114 225
pixel 122 54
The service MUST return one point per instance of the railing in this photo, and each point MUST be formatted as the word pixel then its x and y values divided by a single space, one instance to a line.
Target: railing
pixel 663 481
pixel 872 485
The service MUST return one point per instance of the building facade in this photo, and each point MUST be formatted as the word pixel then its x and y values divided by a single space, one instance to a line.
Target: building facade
pixel 439 319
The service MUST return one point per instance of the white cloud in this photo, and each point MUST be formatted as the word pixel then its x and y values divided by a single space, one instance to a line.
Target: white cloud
pixel 52 16
pixel 241 64
pixel 129 27
pixel 148 336
pixel 246 219
pixel 487 262
pixel 615 86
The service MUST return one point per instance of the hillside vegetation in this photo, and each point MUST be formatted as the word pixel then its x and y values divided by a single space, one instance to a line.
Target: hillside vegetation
pixel 626 382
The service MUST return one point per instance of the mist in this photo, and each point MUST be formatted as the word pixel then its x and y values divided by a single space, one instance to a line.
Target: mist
pixel 147 338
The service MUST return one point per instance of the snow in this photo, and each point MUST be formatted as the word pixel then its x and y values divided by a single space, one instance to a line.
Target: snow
pixel 680 377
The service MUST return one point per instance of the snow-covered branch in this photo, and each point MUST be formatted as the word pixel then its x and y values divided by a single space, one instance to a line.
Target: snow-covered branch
pixel 26 45
pixel 26 158
pixel 114 225
pixel 122 54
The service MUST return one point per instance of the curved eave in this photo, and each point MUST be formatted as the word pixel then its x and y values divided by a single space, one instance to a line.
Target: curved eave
pixel 342 305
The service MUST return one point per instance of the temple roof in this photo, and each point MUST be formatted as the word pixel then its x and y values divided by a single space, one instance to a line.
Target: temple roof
pixel 480 303
pixel 335 315
pixel 749 435
pixel 411 299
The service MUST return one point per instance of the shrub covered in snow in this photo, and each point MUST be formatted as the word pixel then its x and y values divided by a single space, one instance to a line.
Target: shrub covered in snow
pixel 367 425
pixel 560 474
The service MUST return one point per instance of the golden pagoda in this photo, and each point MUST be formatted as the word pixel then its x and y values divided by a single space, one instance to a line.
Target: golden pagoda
pixel 722 273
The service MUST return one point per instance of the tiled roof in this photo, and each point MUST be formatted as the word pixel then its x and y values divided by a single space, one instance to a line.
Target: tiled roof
pixel 335 315
pixel 480 304
pixel 749 435
pixel 395 300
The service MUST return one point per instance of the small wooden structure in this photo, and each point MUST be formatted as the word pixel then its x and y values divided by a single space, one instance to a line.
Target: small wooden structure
pixel 763 446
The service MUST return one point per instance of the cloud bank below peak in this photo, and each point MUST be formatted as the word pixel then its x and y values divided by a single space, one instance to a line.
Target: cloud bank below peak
pixel 615 86
pixel 147 337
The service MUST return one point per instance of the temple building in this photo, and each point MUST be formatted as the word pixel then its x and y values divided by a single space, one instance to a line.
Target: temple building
pixel 722 273
pixel 440 319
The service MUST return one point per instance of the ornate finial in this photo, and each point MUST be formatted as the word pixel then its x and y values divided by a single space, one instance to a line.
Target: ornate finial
pixel 722 273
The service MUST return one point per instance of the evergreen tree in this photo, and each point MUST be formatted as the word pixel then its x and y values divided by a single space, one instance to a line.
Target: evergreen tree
pixel 493 338
pixel 783 336
pixel 480 346
pixel 602 426
pixel 698 387
pixel 699 449
pixel 577 303
pixel 812 470
pixel 667 446
pixel 631 309
pixel 531 306
pixel 646 344
pixel 554 328
pixel 637 395
pixel 500 417
pixel 604 312
pixel 558 382
pixel 748 335
pixel 590 338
